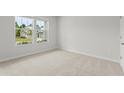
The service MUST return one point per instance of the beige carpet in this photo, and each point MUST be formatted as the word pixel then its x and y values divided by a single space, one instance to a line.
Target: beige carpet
pixel 59 63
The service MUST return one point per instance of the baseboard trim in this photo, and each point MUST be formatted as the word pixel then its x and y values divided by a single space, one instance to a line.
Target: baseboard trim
pixel 87 54
pixel 27 54
pixel 91 55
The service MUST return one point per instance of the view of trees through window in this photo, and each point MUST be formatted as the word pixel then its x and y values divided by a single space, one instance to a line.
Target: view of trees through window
pixel 25 27
pixel 41 31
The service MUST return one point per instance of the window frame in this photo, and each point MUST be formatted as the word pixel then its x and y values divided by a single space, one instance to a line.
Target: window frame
pixel 45 32
pixel 34 33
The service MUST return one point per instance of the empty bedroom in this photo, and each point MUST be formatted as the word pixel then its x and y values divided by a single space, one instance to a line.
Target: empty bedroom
pixel 60 46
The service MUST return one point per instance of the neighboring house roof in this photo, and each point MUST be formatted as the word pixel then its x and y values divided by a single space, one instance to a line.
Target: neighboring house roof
pixel 26 29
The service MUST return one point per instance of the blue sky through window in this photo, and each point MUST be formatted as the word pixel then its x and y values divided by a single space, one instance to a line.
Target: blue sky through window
pixel 40 23
pixel 23 20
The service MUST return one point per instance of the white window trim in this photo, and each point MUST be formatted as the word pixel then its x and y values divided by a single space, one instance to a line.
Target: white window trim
pixel 34 37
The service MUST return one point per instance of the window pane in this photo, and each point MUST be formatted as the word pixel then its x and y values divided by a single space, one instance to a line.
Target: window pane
pixel 41 31
pixel 24 28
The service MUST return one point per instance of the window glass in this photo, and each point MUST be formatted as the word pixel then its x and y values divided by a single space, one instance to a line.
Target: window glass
pixel 40 30
pixel 24 28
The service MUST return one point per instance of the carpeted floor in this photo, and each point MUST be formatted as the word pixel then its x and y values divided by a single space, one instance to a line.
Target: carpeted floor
pixel 59 63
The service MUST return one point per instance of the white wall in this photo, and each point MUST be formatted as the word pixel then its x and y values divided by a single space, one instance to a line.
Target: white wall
pixel 95 36
pixel 122 41
pixel 8 47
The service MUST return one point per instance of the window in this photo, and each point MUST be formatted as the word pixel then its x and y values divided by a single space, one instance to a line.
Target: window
pixel 41 31
pixel 27 28
pixel 24 28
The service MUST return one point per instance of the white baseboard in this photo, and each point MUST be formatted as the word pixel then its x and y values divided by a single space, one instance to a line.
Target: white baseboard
pixel 87 54
pixel 27 54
